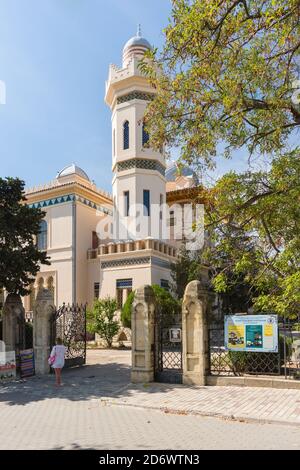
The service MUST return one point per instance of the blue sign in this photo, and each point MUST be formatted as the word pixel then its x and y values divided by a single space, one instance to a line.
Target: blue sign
pixel 257 333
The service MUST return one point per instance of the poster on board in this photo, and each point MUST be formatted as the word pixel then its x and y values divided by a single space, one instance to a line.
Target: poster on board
pixel 257 333
pixel 7 364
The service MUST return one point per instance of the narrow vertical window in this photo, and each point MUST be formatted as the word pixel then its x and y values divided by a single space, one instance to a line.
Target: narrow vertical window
pixel 126 135
pixel 146 202
pixel 126 203
pixel 96 290
pixel 114 142
pixel 161 201
pixel 42 236
pixel 145 135
pixel 95 240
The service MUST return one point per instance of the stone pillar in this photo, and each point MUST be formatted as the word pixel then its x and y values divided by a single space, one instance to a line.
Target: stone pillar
pixel 142 326
pixel 195 348
pixel 42 313
pixel 13 323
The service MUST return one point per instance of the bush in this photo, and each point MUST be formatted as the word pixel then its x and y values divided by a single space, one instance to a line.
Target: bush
pixel 164 299
pixel 101 319
pixel 126 310
pixel 288 345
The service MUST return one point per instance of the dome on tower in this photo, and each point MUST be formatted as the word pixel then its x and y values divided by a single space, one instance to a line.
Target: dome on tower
pixel 135 46
pixel 72 170
pixel 173 171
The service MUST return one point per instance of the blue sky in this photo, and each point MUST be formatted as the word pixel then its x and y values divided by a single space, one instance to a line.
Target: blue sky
pixel 54 59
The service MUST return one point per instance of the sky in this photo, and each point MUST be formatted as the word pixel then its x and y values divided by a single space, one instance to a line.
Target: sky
pixel 54 60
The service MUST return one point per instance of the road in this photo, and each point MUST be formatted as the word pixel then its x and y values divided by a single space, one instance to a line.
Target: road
pixel 37 415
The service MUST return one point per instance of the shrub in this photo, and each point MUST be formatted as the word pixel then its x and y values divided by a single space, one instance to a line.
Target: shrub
pixel 169 305
pixel 101 319
pixel 126 311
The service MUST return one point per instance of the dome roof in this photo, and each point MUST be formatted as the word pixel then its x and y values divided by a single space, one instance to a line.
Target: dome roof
pixel 137 41
pixel 72 170
pixel 135 46
pixel 172 172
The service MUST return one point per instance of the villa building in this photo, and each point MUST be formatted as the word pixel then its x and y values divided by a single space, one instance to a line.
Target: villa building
pixel 87 232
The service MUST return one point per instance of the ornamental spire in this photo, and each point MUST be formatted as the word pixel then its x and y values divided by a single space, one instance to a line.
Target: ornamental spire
pixel 139 31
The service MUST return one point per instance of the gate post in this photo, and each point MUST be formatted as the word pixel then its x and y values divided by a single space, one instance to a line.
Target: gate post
pixel 13 323
pixel 42 314
pixel 195 348
pixel 142 325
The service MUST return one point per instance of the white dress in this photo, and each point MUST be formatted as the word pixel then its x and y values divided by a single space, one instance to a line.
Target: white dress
pixel 59 352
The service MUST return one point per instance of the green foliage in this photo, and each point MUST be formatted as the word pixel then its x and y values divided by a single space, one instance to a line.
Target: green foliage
pixel 168 304
pixel 126 311
pixel 253 224
pixel 20 258
pixel 225 81
pixel 187 268
pixel 225 76
pixel 101 319
pixel 288 347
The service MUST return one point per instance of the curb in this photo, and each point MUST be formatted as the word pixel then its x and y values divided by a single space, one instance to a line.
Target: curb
pixel 205 414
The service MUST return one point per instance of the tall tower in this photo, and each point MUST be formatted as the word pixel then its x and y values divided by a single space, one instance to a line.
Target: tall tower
pixel 136 256
pixel 139 172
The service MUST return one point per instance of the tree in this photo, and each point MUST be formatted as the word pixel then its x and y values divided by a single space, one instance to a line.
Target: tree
pixel 187 268
pixel 20 258
pixel 102 319
pixel 254 224
pixel 225 78
pixel 169 305
pixel 193 266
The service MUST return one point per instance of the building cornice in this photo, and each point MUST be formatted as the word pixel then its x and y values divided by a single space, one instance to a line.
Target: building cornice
pixel 64 189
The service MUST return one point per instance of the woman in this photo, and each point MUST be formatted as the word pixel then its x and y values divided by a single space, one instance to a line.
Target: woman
pixel 57 359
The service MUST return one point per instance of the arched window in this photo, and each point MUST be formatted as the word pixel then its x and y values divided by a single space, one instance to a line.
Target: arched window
pixel 50 285
pixel 42 236
pixel 40 284
pixel 126 135
pixel 145 135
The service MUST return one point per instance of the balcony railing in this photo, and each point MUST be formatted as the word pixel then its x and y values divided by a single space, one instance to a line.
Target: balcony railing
pixel 132 245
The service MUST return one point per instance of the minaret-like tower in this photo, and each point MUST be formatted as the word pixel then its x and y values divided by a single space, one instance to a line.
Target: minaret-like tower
pixel 139 172
pixel 136 255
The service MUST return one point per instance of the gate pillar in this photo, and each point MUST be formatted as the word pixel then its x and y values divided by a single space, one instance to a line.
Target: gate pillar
pixel 42 313
pixel 195 346
pixel 142 325
pixel 13 323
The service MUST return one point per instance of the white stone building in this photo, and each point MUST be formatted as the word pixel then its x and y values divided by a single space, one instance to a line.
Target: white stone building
pixel 88 233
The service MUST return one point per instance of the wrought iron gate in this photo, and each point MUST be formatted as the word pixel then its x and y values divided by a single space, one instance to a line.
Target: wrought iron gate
pixel 168 348
pixel 69 324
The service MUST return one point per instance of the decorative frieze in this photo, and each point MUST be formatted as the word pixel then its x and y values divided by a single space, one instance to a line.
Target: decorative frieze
pixel 69 198
pixel 125 262
pixel 145 164
pixel 135 262
pixel 135 95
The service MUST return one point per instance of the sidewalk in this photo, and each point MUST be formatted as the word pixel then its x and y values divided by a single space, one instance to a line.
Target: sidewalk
pixel 251 404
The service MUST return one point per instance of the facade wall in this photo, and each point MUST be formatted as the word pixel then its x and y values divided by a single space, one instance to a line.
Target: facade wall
pixel 93 276
pixel 108 277
pixel 59 222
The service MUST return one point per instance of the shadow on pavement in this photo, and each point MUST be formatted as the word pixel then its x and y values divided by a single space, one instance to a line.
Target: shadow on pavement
pixel 110 378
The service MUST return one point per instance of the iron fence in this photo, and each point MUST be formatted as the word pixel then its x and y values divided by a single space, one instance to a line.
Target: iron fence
pixel 285 363
pixel 69 324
